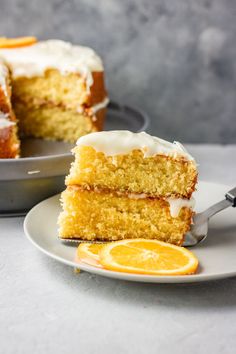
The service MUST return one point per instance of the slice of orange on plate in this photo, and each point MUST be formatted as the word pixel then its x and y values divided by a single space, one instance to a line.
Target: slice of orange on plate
pixel 17 42
pixel 89 253
pixel 139 256
pixel 152 257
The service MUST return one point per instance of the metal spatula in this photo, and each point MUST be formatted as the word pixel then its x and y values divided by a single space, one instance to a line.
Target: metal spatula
pixel 199 228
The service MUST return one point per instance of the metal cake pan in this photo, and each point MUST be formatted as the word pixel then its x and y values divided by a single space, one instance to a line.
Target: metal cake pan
pixel 40 172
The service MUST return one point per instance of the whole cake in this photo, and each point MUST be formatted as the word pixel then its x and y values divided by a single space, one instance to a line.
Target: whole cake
pixel 126 185
pixel 58 89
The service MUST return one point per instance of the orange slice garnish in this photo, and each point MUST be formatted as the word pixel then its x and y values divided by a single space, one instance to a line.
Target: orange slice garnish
pixel 16 42
pixel 89 253
pixel 142 256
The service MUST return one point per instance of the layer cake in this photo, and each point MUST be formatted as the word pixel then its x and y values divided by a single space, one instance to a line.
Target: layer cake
pixel 126 185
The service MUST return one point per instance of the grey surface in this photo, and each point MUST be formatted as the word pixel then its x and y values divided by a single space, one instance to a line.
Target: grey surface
pixel 175 59
pixel 46 308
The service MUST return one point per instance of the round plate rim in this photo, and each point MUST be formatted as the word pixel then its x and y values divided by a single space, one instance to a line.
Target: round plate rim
pixel 122 275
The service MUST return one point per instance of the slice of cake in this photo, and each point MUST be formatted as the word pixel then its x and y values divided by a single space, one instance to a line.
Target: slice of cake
pixel 58 89
pixel 127 185
pixel 9 143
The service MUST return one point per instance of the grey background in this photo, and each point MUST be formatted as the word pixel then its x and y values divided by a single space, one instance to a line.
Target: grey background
pixel 174 59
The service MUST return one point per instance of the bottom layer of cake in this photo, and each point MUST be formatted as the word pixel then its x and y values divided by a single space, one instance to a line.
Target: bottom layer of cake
pixel 56 123
pixel 89 215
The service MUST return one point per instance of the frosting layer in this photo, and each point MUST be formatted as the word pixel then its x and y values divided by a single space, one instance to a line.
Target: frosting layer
pixel 121 142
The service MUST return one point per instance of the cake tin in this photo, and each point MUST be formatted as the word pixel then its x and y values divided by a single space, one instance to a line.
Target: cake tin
pixel 40 172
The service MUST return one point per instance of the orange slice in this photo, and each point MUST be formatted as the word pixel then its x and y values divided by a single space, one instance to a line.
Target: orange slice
pixel 143 256
pixel 16 42
pixel 89 253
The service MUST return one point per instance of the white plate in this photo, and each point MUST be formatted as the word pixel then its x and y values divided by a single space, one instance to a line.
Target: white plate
pixel 217 254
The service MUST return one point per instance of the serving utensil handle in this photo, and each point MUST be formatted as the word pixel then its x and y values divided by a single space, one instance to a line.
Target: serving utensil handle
pixel 230 200
pixel 231 197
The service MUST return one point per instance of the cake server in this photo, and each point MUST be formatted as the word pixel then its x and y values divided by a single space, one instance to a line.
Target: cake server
pixel 199 228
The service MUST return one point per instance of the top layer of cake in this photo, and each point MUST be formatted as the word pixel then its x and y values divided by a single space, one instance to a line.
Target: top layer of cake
pixel 121 142
pixel 34 60
pixel 125 162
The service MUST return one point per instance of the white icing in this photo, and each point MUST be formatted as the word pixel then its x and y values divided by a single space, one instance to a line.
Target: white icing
pixel 176 204
pixel 97 107
pixel 3 76
pixel 4 121
pixel 35 59
pixel 121 142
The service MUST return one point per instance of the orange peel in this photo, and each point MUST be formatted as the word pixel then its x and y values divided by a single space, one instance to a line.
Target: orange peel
pixel 17 42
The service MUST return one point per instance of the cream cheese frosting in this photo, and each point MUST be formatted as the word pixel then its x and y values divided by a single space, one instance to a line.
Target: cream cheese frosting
pixel 176 204
pixel 121 142
pixel 4 121
pixel 34 60
pixel 97 107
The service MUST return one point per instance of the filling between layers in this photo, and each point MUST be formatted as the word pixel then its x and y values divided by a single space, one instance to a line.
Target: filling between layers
pixel 175 204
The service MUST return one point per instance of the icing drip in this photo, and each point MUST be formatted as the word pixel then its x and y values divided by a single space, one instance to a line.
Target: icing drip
pixel 92 110
pixel 176 204
pixel 100 105
pixel 121 142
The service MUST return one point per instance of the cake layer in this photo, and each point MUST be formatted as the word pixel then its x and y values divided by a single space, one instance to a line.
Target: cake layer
pixel 89 215
pixel 66 90
pixel 158 175
pixel 55 122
